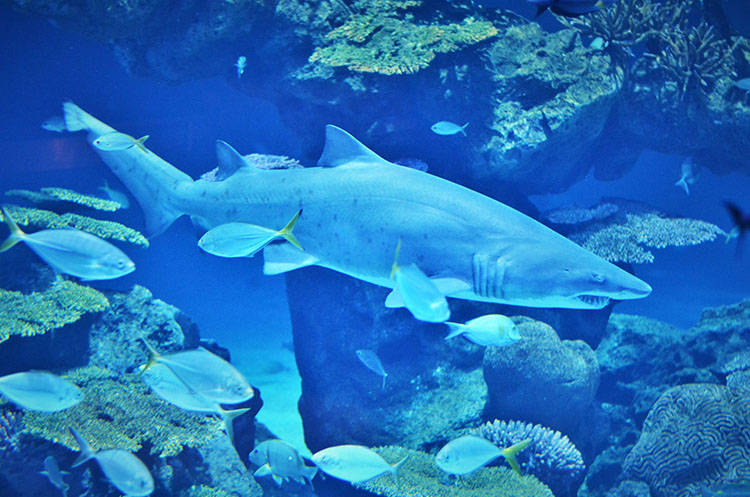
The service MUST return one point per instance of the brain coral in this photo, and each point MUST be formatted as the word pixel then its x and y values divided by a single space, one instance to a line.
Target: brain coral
pixel 694 435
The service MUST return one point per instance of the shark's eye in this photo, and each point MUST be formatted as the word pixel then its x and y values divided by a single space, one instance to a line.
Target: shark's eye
pixel 597 278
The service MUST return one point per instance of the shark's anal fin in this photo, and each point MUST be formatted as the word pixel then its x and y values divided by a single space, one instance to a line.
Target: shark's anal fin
pixel 446 286
pixel 342 148
pixel 281 258
pixel 230 161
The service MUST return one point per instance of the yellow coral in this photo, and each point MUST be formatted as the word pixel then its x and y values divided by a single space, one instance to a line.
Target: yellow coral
pixel 54 194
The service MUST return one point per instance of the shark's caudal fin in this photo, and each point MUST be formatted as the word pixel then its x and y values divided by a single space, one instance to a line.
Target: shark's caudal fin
pixel 341 148
pixel 155 183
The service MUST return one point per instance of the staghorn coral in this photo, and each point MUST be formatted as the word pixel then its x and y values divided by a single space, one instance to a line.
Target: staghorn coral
pixel 39 312
pixel 695 435
pixel 260 161
pixel 40 218
pixel 574 214
pixel 634 227
pixel 551 456
pixel 55 194
pixel 205 491
pixel 377 38
pixel 8 430
pixel 420 477
pixel 119 412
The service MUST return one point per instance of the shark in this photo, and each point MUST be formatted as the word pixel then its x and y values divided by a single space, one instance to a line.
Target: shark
pixel 357 207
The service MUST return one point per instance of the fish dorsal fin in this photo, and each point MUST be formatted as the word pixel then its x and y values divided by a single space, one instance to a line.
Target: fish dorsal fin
pixel 341 148
pixel 230 161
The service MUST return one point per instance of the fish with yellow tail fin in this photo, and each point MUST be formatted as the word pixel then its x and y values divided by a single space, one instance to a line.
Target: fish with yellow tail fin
pixel 119 141
pixel 469 453
pixel 418 293
pixel 355 463
pixel 244 239
pixel 72 252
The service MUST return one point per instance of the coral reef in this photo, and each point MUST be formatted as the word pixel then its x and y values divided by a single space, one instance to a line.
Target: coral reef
pixel 575 214
pixel 695 435
pixel 55 195
pixel 551 456
pixel 635 226
pixel 379 38
pixel 38 312
pixel 541 379
pixel 40 218
pixel 420 477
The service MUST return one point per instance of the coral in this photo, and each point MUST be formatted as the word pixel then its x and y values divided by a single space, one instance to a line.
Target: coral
pixel 204 491
pixel 695 435
pixel 8 430
pixel 574 214
pixel 268 161
pixel 54 194
pixel 730 320
pixel 420 477
pixel 551 456
pixel 377 38
pixel 118 412
pixel 39 312
pixel 47 219
pixel 623 237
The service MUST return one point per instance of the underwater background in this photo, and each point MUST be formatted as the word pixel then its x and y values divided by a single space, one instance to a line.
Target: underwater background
pixel 652 394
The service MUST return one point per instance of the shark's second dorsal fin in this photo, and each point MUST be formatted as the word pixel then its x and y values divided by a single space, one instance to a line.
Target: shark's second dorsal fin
pixel 342 148
pixel 230 161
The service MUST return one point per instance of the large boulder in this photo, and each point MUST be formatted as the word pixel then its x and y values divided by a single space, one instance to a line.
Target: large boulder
pixel 541 379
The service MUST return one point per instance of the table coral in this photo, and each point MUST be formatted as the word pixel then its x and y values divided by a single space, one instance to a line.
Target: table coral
pixel 39 312
pixel 420 477
pixel 55 194
pixel 40 218
pixel 119 412
pixel 378 39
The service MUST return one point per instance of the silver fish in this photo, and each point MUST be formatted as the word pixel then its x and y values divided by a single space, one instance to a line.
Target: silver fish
pixel 281 461
pixel 469 453
pixel 123 469
pixel 40 391
pixel 245 240
pixel 241 64
pixel 55 123
pixel 119 141
pixel 372 361
pixel 115 195
pixel 491 329
pixel 448 128
pixel 167 385
pixel 55 476
pixel 206 374
pixel 72 252
pixel 355 463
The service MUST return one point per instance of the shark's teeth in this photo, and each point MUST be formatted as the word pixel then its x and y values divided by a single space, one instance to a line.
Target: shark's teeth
pixel 595 301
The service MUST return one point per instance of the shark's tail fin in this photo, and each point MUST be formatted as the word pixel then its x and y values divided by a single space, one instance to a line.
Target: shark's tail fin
pixel 155 183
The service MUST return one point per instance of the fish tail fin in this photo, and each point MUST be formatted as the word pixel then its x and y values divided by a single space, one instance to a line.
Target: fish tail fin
pixel 228 418
pixel 385 375
pixel 455 329
pixel 286 231
pixel 600 4
pixel 396 469
pixel 16 235
pixel 510 454
pixel 140 143
pixel 153 354
pixel 463 128
pixel 309 472
pixel 683 184
pixel 86 451
pixel 154 182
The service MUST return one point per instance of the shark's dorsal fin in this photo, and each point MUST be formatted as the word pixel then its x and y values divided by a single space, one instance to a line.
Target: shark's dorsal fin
pixel 341 148
pixel 230 161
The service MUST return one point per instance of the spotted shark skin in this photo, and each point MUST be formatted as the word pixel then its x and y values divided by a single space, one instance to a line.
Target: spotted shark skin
pixel 355 210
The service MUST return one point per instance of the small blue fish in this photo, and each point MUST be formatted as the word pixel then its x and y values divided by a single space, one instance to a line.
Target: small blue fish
pixel 448 128
pixel 568 8
pixel 372 361
pixel 241 64
pixel 55 476
pixel 114 141
pixel 55 123
pixel 419 294
pixel 244 239
pixel 690 171
pixel 72 252
pixel 469 453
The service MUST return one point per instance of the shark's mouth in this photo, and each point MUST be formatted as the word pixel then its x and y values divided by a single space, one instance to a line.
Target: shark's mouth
pixel 595 301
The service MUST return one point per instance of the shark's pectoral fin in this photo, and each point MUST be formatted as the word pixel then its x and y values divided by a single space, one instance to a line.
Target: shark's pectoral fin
pixel 446 286
pixel 342 148
pixel 285 257
pixel 230 161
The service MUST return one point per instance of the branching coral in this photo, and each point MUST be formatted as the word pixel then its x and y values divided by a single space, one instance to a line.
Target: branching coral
pixel 420 477
pixel 54 194
pixel 40 218
pixel 377 38
pixel 634 227
pixel 39 312
pixel 551 456
pixel 119 412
